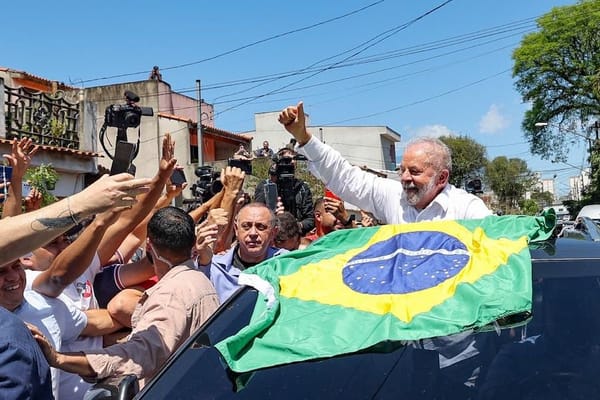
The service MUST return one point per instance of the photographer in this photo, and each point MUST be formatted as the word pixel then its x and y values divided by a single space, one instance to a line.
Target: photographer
pixel 294 193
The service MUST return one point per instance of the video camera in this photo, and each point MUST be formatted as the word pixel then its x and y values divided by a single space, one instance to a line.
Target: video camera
pixel 208 183
pixel 127 115
pixel 284 170
pixel 123 116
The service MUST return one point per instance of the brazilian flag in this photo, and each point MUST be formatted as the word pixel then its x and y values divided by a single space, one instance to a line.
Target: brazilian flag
pixel 355 288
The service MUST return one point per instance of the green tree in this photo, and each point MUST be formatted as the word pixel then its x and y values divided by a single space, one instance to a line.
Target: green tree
pixel 509 179
pixel 529 207
pixel 543 199
pixel 558 71
pixel 468 158
pixel 44 179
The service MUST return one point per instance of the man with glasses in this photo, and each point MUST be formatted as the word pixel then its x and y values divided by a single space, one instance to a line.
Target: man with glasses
pixel 255 228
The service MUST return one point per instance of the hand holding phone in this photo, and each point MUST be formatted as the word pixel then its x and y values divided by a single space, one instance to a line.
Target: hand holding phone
pixel 178 177
pixel 271 195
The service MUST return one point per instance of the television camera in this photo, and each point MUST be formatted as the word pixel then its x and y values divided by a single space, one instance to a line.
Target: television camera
pixel 208 183
pixel 122 117
pixel 284 169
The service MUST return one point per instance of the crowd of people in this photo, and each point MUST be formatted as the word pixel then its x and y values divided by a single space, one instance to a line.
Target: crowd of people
pixel 110 281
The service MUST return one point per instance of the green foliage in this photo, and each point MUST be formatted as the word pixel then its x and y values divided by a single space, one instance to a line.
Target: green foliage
pixel 57 128
pixel 509 179
pixel 44 179
pixel 468 158
pixel 543 199
pixel 558 71
pixel 529 207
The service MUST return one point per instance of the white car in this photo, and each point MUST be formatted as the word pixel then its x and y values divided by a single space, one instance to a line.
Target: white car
pixel 591 211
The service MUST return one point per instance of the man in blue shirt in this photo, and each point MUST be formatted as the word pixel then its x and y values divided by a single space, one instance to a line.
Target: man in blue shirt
pixel 255 228
pixel 24 372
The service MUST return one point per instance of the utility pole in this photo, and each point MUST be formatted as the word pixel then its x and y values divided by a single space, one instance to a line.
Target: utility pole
pixel 199 128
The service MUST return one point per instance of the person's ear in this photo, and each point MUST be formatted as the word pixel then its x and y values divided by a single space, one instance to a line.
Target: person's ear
pixel 318 216
pixel 443 177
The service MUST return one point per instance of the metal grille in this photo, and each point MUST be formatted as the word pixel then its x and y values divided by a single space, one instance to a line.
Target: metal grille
pixel 48 118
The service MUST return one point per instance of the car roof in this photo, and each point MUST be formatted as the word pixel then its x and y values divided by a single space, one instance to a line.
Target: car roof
pixel 591 210
pixel 196 366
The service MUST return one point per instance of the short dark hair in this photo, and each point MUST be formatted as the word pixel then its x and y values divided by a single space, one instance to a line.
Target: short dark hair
pixel 172 229
pixel 319 204
pixel 288 227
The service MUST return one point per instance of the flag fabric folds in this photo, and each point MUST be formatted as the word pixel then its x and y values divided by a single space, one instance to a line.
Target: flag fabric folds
pixel 355 288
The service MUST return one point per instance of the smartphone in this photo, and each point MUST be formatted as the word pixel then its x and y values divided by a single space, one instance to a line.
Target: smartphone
pixel 244 165
pixel 5 173
pixel 123 157
pixel 25 189
pixel 270 189
pixel 5 176
pixel 178 177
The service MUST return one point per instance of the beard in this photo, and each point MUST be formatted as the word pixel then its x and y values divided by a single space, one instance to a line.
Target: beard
pixel 414 194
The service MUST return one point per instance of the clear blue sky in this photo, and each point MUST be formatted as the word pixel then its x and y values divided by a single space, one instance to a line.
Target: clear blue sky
pixel 447 72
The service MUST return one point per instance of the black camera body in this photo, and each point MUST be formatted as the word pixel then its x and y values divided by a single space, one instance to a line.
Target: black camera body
pixel 123 116
pixel 208 183
pixel 284 168
pixel 126 115
pixel 285 171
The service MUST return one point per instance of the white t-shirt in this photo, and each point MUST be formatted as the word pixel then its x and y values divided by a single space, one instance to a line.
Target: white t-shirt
pixel 81 294
pixel 58 319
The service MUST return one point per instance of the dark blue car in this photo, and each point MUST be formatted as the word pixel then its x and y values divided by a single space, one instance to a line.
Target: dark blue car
pixel 555 354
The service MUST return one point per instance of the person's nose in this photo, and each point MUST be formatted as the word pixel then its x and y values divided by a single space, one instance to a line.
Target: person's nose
pixel 253 232
pixel 405 176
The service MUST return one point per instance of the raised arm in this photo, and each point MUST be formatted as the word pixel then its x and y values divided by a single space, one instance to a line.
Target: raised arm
pixel 75 259
pixel 19 160
pixel 26 232
pixel 294 121
pixel 117 233
pixel 233 179
pixel 200 211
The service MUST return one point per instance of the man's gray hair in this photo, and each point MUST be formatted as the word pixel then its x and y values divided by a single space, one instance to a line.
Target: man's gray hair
pixel 438 153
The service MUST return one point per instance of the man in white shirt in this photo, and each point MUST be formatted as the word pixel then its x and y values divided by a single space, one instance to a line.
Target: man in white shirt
pixel 423 194
pixel 59 319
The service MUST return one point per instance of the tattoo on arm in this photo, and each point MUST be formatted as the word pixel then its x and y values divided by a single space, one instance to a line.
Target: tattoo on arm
pixel 42 224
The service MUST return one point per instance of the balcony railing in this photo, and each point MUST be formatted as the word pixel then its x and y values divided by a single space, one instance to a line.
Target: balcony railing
pixel 48 118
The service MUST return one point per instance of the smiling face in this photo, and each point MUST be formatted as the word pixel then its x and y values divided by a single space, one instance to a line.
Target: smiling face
pixel 421 179
pixel 255 230
pixel 12 285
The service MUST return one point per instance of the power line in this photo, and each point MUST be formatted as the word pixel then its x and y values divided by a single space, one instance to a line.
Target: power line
pixel 370 43
pixel 277 36
pixel 422 100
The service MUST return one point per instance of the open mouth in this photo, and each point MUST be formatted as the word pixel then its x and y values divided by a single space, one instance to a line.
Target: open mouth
pixel 12 287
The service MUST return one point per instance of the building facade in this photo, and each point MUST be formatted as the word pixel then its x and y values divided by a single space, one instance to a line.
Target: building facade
pixel 373 147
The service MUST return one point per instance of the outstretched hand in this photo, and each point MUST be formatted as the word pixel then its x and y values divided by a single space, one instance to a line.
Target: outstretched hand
pixel 294 121
pixel 21 153
pixel 109 191
pixel 167 160
pixel 44 343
